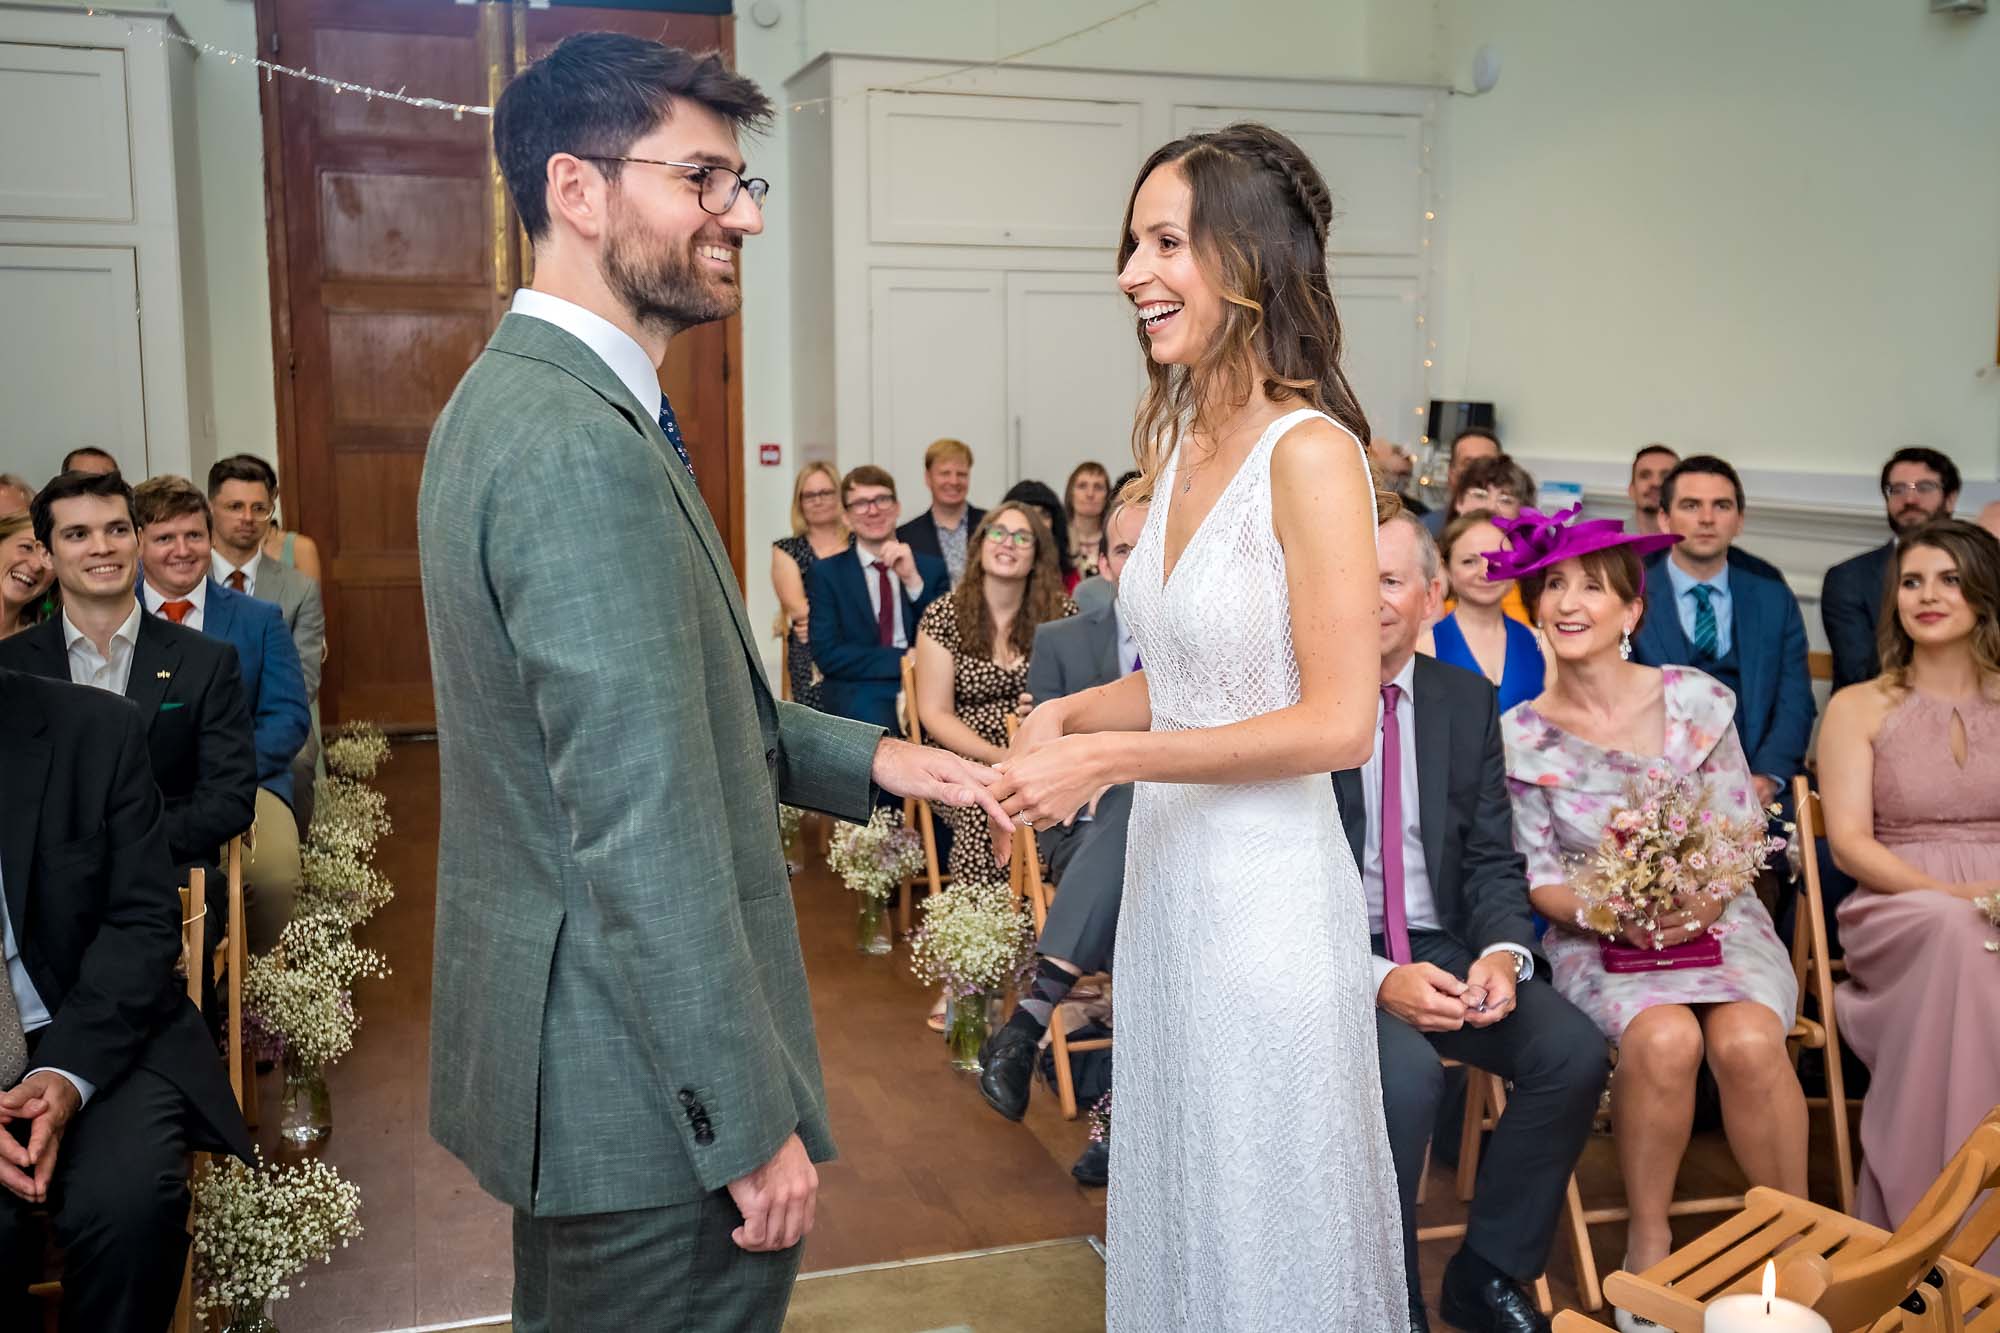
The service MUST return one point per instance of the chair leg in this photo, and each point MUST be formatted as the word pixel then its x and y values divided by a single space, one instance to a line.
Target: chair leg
pixel 1580 1248
pixel 1545 1300
pixel 1059 1048
pixel 1481 1091
pixel 249 1089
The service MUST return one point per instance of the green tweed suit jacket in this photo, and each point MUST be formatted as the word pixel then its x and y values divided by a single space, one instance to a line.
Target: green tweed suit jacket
pixel 619 1016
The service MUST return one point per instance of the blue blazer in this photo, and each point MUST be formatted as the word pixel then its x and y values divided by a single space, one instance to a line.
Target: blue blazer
pixel 1774 706
pixel 862 677
pixel 273 681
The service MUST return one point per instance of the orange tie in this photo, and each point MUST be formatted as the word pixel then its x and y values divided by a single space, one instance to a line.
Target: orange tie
pixel 176 611
pixel 236 580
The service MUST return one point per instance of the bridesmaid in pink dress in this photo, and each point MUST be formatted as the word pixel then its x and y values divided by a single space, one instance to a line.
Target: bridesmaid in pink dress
pixel 1910 776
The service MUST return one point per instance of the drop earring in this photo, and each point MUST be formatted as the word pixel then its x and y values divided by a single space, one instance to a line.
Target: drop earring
pixel 1625 646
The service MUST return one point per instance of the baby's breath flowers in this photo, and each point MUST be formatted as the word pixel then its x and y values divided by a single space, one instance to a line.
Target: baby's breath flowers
pixel 975 939
pixel 356 750
pixel 256 1228
pixel 298 998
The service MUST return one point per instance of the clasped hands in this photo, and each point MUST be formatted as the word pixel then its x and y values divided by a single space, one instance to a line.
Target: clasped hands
pixel 46 1101
pixel 1431 999
pixel 1690 923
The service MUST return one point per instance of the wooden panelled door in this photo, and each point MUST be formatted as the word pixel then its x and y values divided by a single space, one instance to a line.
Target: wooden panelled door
pixel 394 252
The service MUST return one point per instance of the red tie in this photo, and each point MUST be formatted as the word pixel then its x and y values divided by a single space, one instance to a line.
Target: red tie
pixel 237 583
pixel 1395 927
pixel 176 611
pixel 885 607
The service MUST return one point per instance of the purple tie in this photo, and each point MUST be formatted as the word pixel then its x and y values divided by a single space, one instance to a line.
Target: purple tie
pixel 1395 928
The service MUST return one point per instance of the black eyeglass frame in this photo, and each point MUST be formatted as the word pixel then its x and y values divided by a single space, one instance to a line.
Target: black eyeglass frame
pixel 759 188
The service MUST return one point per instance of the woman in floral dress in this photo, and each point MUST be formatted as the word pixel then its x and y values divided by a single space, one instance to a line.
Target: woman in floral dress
pixel 1572 754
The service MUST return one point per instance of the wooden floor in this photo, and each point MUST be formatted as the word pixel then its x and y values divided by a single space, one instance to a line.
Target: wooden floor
pixel 925 1167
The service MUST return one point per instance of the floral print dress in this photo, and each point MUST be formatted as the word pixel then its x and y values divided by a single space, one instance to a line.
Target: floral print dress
pixel 1565 789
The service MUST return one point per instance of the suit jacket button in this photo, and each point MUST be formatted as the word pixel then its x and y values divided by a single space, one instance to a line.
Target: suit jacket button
pixel 704 1136
pixel 687 1097
pixel 771 756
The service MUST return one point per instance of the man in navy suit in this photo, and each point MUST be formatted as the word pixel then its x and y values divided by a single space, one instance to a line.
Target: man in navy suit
pixel 175 553
pixel 1738 626
pixel 950 527
pixel 865 604
pixel 1918 485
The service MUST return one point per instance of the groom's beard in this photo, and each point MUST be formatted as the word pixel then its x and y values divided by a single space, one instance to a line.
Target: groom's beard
pixel 663 285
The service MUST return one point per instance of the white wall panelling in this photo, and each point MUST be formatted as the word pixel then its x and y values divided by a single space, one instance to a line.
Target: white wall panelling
pixel 971 233
pixel 101 275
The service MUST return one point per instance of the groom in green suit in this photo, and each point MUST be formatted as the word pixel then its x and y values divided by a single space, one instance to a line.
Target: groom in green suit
pixel 621 1042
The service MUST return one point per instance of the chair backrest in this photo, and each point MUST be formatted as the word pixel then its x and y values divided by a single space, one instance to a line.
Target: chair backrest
pixel 194 911
pixel 1852 1293
pixel 1809 944
pixel 913 726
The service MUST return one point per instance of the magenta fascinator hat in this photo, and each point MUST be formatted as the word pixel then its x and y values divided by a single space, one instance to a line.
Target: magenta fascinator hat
pixel 1537 540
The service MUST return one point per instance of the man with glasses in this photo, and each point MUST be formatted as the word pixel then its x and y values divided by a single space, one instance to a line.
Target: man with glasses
pixel 1918 485
pixel 622 1043
pixel 865 606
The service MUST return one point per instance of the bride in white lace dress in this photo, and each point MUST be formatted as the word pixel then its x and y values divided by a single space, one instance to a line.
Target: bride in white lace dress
pixel 1251 1184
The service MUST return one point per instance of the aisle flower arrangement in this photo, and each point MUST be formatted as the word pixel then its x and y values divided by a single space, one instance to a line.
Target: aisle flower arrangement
pixel 975 942
pixel 356 750
pixel 872 859
pixel 257 1228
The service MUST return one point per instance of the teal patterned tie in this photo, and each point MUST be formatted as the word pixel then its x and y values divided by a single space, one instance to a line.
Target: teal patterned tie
pixel 1705 638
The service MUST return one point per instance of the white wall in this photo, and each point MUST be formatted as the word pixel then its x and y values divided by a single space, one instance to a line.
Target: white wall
pixel 1769 230
pixel 230 146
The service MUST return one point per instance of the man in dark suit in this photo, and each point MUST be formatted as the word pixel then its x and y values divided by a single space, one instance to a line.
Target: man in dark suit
pixel 1918 485
pixel 1740 627
pixel 1457 969
pixel 176 554
pixel 1086 858
pixel 186 686
pixel 946 530
pixel 865 605
pixel 121 1079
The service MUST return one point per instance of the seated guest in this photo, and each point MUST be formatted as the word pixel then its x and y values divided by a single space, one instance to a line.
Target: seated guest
pixel 110 1078
pixel 175 553
pixel 1086 858
pixel 186 686
pixel 1478 635
pixel 25 576
pixel 1038 495
pixel 1989 517
pixel 973 646
pixel 1096 592
pixel 864 608
pixel 945 530
pixel 1468 447
pixel 1650 467
pixel 1571 757
pixel 1394 469
pixel 1455 957
pixel 293 550
pixel 1738 558
pixel 818 531
pixel 1918 485
pixel 1084 499
pixel 1740 627
pixel 243 493
pixel 1910 775
pixel 1498 485
pixel 15 495
pixel 89 458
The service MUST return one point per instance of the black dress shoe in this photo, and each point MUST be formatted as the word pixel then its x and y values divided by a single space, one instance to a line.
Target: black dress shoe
pixel 1094 1167
pixel 1487 1304
pixel 1420 1322
pixel 1006 1070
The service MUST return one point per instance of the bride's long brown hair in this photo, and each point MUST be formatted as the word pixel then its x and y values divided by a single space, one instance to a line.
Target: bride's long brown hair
pixel 1258 224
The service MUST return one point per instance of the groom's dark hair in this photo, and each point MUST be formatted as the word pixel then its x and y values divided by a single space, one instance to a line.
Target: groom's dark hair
pixel 596 93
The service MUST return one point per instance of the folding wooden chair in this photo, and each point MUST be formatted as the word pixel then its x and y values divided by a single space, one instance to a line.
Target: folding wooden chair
pixel 916 813
pixel 1856 1276
pixel 230 958
pixel 1485 1100
pixel 1814 971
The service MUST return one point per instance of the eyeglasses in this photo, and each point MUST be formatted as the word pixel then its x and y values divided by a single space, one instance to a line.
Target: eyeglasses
pixel 719 186
pixel 1897 489
pixel 816 495
pixel 870 504
pixel 1019 536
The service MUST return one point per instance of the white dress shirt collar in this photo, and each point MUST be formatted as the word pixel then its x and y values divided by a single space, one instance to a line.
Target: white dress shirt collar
pixel 87 666
pixel 221 568
pixel 613 346
pixel 155 599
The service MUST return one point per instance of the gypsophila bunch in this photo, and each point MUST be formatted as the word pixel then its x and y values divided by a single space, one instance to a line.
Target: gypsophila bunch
pixel 337 883
pixel 256 1228
pixel 298 994
pixel 1662 852
pixel 875 857
pixel 356 750
pixel 789 819
pixel 974 938
pixel 348 815
pixel 1099 1116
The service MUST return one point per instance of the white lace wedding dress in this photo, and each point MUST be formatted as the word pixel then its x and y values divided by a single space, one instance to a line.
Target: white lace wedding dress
pixel 1251 1184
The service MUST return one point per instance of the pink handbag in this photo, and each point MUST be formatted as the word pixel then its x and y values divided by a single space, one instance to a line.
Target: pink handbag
pixel 1621 957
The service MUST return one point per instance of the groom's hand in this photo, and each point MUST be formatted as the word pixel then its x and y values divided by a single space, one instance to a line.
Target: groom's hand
pixel 931 774
pixel 776 1200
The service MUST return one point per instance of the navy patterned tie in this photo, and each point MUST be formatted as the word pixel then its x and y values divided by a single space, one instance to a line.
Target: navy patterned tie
pixel 672 430
pixel 1705 635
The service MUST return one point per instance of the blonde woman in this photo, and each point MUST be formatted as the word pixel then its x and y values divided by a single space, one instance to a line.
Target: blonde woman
pixel 25 574
pixel 819 529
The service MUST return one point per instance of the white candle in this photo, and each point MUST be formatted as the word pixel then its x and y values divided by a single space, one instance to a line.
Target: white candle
pixel 1768 1313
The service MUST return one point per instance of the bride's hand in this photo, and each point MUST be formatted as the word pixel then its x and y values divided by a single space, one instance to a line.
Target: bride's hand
pixel 1042 725
pixel 1048 785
